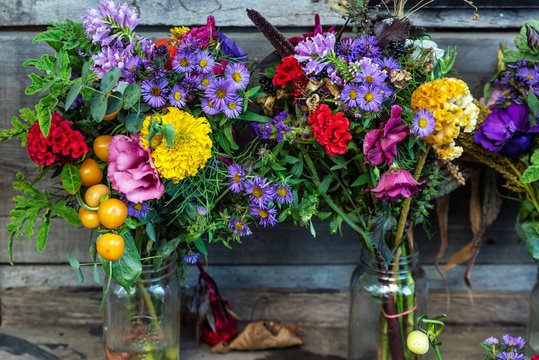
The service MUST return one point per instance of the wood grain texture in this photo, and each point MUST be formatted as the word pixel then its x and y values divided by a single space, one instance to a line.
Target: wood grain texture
pixel 292 13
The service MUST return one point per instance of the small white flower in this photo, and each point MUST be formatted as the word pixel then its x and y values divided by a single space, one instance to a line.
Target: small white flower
pixel 421 45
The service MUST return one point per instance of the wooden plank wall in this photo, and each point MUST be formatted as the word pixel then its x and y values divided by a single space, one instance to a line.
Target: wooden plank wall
pixel 285 256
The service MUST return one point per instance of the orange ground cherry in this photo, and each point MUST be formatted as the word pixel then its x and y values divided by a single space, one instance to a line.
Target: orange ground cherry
pixel 89 219
pixel 95 193
pixel 112 213
pixel 90 172
pixel 110 246
pixel 101 147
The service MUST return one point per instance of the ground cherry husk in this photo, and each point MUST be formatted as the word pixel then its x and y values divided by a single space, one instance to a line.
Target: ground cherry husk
pixel 112 213
pixel 101 147
pixel 418 342
pixel 90 172
pixel 110 246
pixel 95 193
pixel 88 218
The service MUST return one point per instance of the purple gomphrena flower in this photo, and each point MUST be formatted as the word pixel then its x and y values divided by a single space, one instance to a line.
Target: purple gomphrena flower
pixel 109 22
pixel 388 64
pixel 312 49
pixel 349 95
pixel 513 342
pixel 265 214
pixel 184 62
pixel 203 80
pixel 371 74
pixel 513 355
pixel 370 45
pixel 528 76
pixel 259 191
pixel 234 108
pixel 204 62
pixel 154 92
pixel 370 98
pixel 283 194
pixel 491 341
pixel 201 210
pixel 177 96
pixel 208 107
pixel 138 210
pixel 423 123
pixel 239 227
pixel 220 92
pixel 191 257
pixel 236 174
pixel 237 74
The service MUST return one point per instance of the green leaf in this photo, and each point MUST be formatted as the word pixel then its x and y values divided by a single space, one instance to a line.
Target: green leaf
pixel 230 138
pixel 71 179
pixel 79 275
pixel 530 175
pixel 74 91
pixel 67 212
pixel 251 116
pixel 324 185
pixel 114 102
pixel 150 231
pixel 73 261
pixel 85 71
pixel 381 228
pixel 44 113
pixel 200 246
pixel 98 106
pixel 535 157
pixel 165 249
pixel 110 79
pixel 131 95
pixel 128 268
pixel 528 233
pixel 96 274
pixel 38 83
pixel 533 104
pixel 134 121
pixel 43 230
pixel 361 179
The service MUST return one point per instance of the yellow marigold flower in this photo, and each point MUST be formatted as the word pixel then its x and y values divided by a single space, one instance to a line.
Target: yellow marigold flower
pixel 178 31
pixel 191 148
pixel 451 103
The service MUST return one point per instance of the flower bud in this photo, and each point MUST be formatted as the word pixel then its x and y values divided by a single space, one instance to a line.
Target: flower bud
pixel 532 37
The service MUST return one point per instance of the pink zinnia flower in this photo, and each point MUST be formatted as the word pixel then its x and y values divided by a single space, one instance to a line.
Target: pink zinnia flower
pixel 394 184
pixel 380 145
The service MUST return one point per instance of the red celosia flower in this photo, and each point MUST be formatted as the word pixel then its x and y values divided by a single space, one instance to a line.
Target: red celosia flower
pixel 61 146
pixel 289 71
pixel 394 184
pixel 380 145
pixel 536 357
pixel 329 130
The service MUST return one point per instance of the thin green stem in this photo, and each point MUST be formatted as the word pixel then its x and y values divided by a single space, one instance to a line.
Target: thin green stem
pixel 529 190
pixel 437 352
pixel 151 308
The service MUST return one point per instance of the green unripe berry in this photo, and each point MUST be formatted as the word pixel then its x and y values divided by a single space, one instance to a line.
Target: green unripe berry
pixel 418 342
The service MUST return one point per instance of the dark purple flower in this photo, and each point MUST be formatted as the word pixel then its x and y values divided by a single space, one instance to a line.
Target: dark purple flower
pixel 513 342
pixel 394 184
pixel 220 92
pixel 154 92
pixel 513 355
pixel 369 43
pixel 184 61
pixel 191 257
pixel 230 48
pixel 265 214
pixel 371 74
pixel 233 108
pixel 506 131
pixel 138 210
pixel 528 76
pixel 239 227
pixel 236 174
pixel 349 49
pixel 380 145
pixel 388 64
pixel 259 190
pixel 130 68
pixel 283 194
pixel 201 210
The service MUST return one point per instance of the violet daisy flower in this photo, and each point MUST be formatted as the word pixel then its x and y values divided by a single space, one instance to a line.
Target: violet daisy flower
pixel 283 194
pixel 130 68
pixel 154 92
pixel 491 341
pixel 423 123
pixel 370 98
pixel 371 46
pixel 371 74
pixel 239 227
pixel 265 214
pixel 220 92
pixel 259 190
pixel 349 49
pixel 513 355
pixel 203 80
pixel 191 257
pixel 349 95
pixel 528 76
pixel 109 22
pixel 234 108
pixel 388 64
pixel 514 342
pixel 177 96
pixel 204 62
pixel 184 61
pixel 139 210
pixel 201 210
pixel 236 175
pixel 209 107
pixel 237 74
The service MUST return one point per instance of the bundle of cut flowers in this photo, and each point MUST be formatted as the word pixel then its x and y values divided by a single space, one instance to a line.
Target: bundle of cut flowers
pixel 509 348
pixel 364 128
pixel 136 138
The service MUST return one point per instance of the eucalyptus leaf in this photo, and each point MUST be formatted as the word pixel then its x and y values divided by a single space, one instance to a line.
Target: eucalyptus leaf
pixel 96 274
pixel 134 121
pixel 200 246
pixel 527 231
pixel 131 95
pixel 73 261
pixel 114 102
pixel 80 277
pixel 165 249
pixel 110 79
pixel 98 106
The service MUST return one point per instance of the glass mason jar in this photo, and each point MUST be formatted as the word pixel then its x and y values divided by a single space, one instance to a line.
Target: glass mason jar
pixel 532 330
pixel 384 305
pixel 144 323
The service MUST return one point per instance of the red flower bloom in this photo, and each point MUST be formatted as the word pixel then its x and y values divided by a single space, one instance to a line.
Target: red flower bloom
pixel 289 71
pixel 536 357
pixel 394 184
pixel 171 51
pixel 219 67
pixel 331 131
pixel 62 145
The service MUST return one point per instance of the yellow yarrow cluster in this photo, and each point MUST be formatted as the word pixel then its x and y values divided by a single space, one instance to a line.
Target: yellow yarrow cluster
pixel 178 31
pixel 451 103
pixel 191 148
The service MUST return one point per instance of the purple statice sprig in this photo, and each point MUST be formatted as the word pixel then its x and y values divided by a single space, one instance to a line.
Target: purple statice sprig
pixel 277 127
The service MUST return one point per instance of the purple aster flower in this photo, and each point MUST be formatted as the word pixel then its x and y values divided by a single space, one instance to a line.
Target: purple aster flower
pixel 239 227
pixel 528 76
pixel 517 64
pixel 201 210
pixel 220 92
pixel 491 341
pixel 283 194
pixel 154 92
pixel 514 342
pixel 139 210
pixel 265 214
pixel 371 46
pixel 506 131
pixel 388 64
pixel 236 175
pixel 209 107
pixel 371 74
pixel 204 62
pixel 423 123
pixel 109 22
pixel 129 71
pixel 312 49
pixel 350 95
pixel 349 49
pixel 259 190
pixel 203 80
pixel 177 96
pixel 237 74
pixel 279 137
pixel 513 355
pixel 502 80
pixel 230 48
pixel 191 257
pixel 184 61
pixel 234 108
pixel 370 98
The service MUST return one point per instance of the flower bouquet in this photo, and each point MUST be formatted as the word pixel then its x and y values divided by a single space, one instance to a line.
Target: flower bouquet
pixel 364 128
pixel 135 140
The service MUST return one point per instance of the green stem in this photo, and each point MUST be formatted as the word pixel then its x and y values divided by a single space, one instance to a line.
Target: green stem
pixel 529 190
pixel 83 204
pixel 151 308
pixel 437 352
